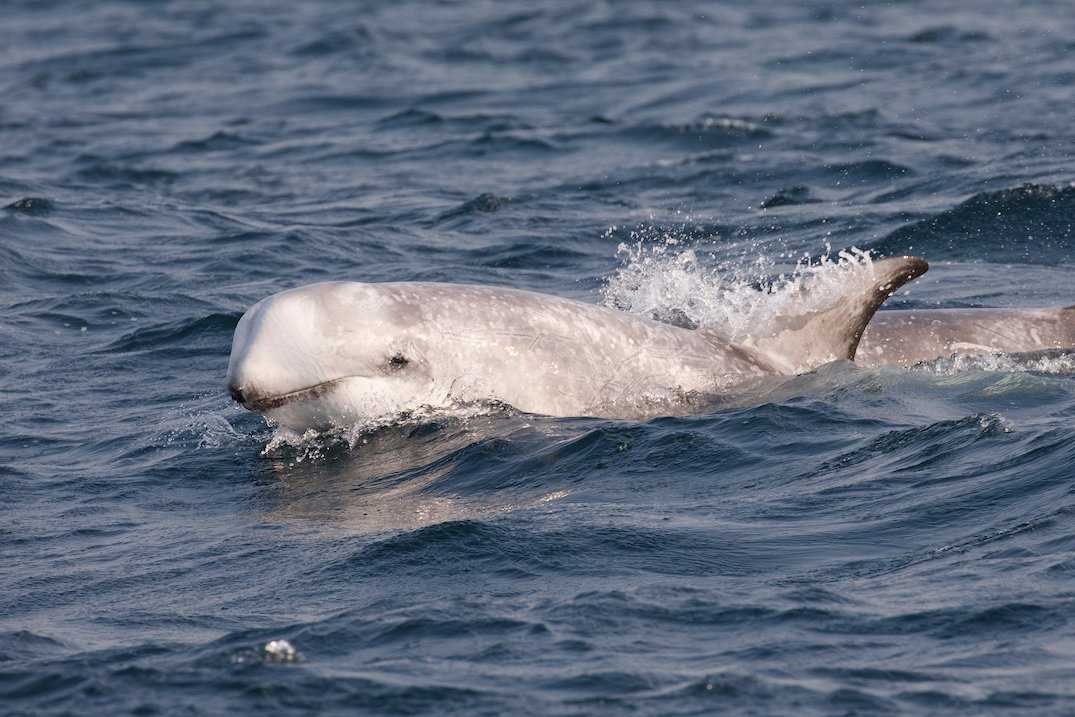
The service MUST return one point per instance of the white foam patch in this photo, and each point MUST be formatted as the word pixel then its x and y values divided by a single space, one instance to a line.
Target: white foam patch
pixel 994 423
pixel 313 444
pixel 1052 363
pixel 662 278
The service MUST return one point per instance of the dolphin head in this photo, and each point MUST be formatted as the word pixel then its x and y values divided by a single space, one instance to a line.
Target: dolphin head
pixel 333 347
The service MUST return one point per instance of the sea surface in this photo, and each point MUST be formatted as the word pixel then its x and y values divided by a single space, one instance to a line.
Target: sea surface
pixel 882 541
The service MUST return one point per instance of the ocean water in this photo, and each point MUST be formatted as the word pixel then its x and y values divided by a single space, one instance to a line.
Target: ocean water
pixel 863 542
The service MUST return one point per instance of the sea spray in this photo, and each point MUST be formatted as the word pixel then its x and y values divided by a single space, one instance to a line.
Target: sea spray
pixel 669 281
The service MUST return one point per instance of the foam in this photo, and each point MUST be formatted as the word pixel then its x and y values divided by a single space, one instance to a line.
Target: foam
pixel 314 444
pixel 1053 362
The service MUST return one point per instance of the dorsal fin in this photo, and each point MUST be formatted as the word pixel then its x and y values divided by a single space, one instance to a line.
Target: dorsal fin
pixel 803 342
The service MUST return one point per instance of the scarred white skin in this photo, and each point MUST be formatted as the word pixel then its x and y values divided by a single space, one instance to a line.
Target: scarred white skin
pixel 909 337
pixel 336 353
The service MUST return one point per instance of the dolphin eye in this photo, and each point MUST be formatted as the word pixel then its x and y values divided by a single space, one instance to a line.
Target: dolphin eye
pixel 397 362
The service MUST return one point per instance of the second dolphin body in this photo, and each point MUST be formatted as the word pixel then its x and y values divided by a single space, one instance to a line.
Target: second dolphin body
pixel 908 337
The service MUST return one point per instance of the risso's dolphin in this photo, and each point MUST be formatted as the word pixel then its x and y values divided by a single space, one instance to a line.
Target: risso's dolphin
pixel 908 337
pixel 341 352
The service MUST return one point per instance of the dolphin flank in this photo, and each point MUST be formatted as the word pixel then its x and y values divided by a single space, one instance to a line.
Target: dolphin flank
pixel 340 352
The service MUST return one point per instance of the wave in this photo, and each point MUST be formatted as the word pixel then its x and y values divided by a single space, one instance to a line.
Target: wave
pixel 1030 224
pixel 947 35
pixel 219 141
pixel 355 39
pixel 790 197
pixel 485 203
pixel 187 334
pixel 418 117
pixel 33 206
pixel 869 170
pixel 709 131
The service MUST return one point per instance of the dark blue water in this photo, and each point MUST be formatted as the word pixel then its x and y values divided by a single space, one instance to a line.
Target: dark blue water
pixel 881 541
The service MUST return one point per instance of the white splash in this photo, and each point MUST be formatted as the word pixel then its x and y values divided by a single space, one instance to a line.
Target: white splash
pixel 993 423
pixel 280 651
pixel 667 281
pixel 273 651
pixel 313 444
pixel 201 423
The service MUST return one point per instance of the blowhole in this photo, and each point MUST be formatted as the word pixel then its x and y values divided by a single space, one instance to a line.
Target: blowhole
pixel 397 362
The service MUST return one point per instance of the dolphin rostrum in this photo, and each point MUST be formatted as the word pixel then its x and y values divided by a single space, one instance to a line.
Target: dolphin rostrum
pixel 341 352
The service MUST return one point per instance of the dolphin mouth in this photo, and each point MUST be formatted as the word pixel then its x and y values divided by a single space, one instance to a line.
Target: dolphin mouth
pixel 261 404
